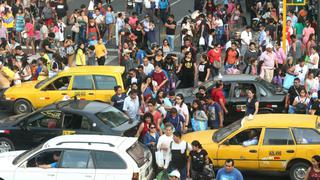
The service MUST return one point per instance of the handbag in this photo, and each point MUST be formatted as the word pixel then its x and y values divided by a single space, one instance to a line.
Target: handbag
pixel 199 125
pixel 75 28
pixel 202 41
pixel 159 158
pixel 217 64
pixel 288 81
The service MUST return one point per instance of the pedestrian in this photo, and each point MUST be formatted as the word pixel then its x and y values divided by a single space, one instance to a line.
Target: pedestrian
pixel 101 52
pixel 301 102
pixel 313 172
pixel 183 110
pixel 150 139
pixel 229 171
pixel 164 145
pixel 203 69
pixel 178 154
pixel 159 76
pixel 214 113
pixel 118 98
pixel 174 175
pixel 199 120
pixel 219 97
pixel 170 30
pixel 315 107
pixel 164 10
pixel 246 37
pixel 6 76
pixel 81 55
pixel 215 59
pixel 131 105
pixel 110 21
pixel 187 71
pixel 144 126
pixel 300 70
pixel 176 119
pixel 252 105
pixel 270 61
pixel 156 115
pixel 197 160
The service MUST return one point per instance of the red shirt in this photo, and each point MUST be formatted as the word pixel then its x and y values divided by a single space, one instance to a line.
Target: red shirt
pixel 159 77
pixel 232 56
pixel 217 94
pixel 214 56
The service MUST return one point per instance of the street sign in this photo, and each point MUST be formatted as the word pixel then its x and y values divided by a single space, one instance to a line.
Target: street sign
pixel 296 2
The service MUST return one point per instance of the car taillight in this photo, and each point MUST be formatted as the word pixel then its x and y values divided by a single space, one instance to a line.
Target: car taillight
pixel 269 105
pixel 6 131
pixel 135 176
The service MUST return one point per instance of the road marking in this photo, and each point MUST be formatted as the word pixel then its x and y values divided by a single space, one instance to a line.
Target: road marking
pixel 175 2
pixel 110 59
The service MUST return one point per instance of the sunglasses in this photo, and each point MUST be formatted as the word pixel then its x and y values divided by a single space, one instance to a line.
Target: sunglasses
pixel 152 127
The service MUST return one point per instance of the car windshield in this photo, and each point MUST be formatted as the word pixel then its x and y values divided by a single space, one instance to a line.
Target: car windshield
pixel 41 83
pixel 268 85
pixel 112 117
pixel 25 155
pixel 226 131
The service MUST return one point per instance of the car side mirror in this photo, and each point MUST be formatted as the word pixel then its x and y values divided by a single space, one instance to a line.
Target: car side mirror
pixel 226 142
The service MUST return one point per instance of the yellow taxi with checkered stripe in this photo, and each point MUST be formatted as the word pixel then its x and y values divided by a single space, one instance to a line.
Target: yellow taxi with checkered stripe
pixel 267 142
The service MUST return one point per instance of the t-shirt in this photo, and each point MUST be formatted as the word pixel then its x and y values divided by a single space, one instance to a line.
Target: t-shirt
pixel 54 165
pixel 203 69
pixel 170 31
pixel 45 43
pixel 198 160
pixel 293 93
pixel 159 77
pixel 316 106
pixel 118 101
pixel 30 29
pixel 217 94
pixel 61 9
pixel 235 174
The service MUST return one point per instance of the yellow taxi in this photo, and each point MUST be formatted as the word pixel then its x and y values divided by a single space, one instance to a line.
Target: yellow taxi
pixel 267 142
pixel 86 82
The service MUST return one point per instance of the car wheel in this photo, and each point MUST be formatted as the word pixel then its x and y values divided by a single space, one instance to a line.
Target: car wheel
pixel 22 106
pixel 298 170
pixel 6 145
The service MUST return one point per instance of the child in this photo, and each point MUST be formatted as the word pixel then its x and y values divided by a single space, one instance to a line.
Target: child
pixel 44 55
pixel 91 56
pixel 277 79
pixel 34 68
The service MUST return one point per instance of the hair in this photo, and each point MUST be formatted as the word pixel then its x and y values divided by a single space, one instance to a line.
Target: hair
pixel 219 84
pixel 152 101
pixel 147 115
pixel 230 161
pixel 202 87
pixel 317 158
pixel 182 98
pixel 173 110
pixel 116 88
pixel 205 57
pixel 172 93
pixel 168 125
pixel 199 104
pixel 197 144
pixel 133 91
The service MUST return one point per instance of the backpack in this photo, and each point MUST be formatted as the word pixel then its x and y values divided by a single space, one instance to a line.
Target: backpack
pixel 301 108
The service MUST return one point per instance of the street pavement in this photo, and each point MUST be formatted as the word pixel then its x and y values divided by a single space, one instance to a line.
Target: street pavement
pixel 180 9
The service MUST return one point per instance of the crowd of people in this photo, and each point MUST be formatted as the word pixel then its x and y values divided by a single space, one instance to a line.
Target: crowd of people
pixel 214 41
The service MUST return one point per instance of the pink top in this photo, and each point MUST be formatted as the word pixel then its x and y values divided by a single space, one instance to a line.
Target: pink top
pixel 30 29
pixel 268 59
pixel 281 56
pixel 306 32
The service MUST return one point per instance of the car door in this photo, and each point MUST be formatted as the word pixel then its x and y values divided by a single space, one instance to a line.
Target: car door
pixel 83 87
pixel 104 87
pixel 78 124
pixel 30 170
pixel 40 127
pixel 245 157
pixel 76 164
pixel 110 165
pixel 277 148
pixel 55 91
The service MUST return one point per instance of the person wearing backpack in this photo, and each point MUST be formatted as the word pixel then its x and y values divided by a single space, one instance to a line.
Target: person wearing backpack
pixel 301 102
pixel 178 155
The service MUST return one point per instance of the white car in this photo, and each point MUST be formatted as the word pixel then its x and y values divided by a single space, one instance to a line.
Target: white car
pixel 80 157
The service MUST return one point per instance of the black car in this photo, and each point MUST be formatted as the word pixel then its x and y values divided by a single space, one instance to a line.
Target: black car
pixel 25 131
pixel 271 98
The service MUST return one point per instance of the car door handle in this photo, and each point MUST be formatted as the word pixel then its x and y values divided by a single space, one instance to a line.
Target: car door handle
pixel 63 93
pixel 253 151
pixel 50 174
pixel 91 93
pixel 290 151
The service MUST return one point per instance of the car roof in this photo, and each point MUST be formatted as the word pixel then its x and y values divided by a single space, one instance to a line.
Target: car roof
pixel 281 120
pixel 237 77
pixel 93 69
pixel 91 107
pixel 90 141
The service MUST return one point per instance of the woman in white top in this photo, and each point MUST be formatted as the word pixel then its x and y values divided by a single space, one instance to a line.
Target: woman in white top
pixel 182 109
pixel 313 62
pixel 119 26
pixel 311 84
pixel 163 144
pixel 301 102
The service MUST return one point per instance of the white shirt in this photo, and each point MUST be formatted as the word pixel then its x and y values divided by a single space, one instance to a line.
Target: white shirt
pixel 147 4
pixel 138 1
pixel 183 110
pixel 148 69
pixel 315 59
pixel 246 37
pixel 157 4
pixel 302 71
pixel 164 141
pixel 131 107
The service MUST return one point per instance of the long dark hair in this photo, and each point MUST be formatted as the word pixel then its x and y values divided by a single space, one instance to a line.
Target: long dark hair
pixel 196 143
pixel 182 99
pixel 147 115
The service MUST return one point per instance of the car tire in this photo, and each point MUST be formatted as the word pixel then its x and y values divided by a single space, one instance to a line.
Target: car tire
pixel 22 106
pixel 298 170
pixel 6 145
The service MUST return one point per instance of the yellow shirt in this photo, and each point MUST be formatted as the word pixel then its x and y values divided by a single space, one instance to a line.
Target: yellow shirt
pixel 80 58
pixel 100 50
pixel 8 21
pixel 6 76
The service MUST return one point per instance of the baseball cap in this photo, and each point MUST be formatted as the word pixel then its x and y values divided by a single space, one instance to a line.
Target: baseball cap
pixel 269 46
pixel 174 173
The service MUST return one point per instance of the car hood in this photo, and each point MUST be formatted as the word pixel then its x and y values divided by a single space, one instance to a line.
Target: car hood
pixel 204 137
pixel 11 120
pixel 6 159
pixel 22 88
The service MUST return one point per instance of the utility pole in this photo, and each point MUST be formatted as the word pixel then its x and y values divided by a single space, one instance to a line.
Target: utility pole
pixel 318 20
pixel 284 25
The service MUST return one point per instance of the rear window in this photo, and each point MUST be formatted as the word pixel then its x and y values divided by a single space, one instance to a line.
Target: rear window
pixel 140 153
pixel 112 117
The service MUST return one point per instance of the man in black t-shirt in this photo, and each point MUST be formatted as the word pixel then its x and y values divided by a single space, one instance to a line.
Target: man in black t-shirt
pixel 170 30
pixel 293 92
pixel 61 10
pixel 47 44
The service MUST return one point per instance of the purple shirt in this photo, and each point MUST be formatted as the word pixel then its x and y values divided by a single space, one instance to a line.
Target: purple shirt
pixel 268 59
pixel 3 32
pixel 281 56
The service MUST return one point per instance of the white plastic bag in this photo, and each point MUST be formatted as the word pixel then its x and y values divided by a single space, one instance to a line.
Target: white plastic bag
pixel 159 158
pixel 202 41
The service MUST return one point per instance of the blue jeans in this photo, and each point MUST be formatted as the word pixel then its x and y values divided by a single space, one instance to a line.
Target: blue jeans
pixel 291 109
pixel 171 41
pixel 138 8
